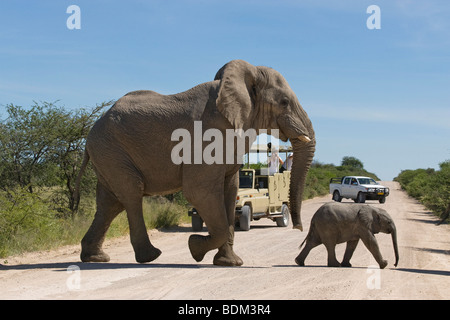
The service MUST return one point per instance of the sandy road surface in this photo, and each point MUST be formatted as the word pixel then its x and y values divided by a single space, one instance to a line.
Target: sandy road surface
pixel 269 271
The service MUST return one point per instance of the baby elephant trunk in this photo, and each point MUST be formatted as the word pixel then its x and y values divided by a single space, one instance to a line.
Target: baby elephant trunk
pixel 394 242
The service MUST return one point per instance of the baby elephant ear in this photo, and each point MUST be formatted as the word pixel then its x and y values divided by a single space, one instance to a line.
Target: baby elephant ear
pixel 234 101
pixel 365 217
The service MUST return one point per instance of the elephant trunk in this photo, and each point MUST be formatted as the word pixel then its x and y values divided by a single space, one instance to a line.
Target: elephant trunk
pixel 394 242
pixel 303 155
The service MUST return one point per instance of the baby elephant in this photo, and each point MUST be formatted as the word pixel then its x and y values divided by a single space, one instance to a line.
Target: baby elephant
pixel 337 222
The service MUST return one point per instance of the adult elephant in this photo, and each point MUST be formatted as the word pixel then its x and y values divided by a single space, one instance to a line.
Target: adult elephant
pixel 132 150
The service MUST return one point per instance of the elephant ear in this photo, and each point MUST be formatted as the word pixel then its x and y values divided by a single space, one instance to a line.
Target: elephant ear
pixel 369 218
pixel 237 87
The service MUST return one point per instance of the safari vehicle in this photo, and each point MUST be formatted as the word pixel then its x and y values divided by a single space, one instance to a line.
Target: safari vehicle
pixel 260 195
pixel 357 188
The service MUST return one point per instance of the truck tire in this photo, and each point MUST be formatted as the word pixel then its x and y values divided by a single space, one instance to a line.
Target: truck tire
pixel 336 196
pixel 361 197
pixel 284 220
pixel 197 223
pixel 245 218
pixel 382 199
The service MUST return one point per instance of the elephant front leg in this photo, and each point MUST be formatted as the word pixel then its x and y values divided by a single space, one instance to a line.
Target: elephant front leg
pixel 226 255
pixel 371 243
pixel 211 209
pixel 221 236
pixel 218 234
pixel 215 202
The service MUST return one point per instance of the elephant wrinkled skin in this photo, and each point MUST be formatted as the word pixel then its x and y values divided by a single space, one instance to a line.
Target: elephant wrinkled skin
pixel 130 148
pixel 335 223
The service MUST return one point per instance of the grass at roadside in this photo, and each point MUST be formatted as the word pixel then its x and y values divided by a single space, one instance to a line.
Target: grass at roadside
pixel 27 222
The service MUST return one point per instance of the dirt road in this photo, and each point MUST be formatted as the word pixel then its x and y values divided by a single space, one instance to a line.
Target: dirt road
pixel 269 271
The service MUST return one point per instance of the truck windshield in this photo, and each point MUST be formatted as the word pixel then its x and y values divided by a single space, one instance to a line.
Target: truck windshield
pixel 366 181
pixel 245 179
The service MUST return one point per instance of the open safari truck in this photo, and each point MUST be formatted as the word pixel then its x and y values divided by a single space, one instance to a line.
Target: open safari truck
pixel 260 195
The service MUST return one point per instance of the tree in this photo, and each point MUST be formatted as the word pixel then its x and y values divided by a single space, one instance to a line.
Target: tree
pixel 26 138
pixel 43 146
pixel 68 153
pixel 352 162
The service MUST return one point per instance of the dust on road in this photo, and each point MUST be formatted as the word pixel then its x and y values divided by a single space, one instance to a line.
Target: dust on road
pixel 269 270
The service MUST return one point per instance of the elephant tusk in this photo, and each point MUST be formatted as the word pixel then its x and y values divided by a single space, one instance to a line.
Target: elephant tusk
pixel 304 138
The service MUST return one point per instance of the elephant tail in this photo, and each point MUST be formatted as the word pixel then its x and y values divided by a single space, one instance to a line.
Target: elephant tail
pixel 309 235
pixel 76 193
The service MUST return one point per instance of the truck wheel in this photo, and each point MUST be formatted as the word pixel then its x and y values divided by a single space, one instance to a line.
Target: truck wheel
pixel 382 200
pixel 284 220
pixel 197 223
pixel 336 196
pixel 244 219
pixel 360 198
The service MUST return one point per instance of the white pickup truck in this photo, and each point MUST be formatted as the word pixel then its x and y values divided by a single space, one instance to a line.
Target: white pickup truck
pixel 357 188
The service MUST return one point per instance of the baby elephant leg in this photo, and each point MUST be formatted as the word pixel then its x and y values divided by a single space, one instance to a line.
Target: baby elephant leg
pixel 371 243
pixel 332 261
pixel 310 243
pixel 351 246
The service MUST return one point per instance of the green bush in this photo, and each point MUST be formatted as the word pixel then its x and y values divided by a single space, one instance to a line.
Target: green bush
pixel 430 187
pixel 25 221
pixel 43 146
pixel 161 213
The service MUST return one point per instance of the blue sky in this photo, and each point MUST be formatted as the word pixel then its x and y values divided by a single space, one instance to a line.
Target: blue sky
pixel 382 96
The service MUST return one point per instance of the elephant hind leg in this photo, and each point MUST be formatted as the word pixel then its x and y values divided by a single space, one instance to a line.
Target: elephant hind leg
pixel 108 207
pixel 332 261
pixel 351 246
pixel 143 249
pixel 311 243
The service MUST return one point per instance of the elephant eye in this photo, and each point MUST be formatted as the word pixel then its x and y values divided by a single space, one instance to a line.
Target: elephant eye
pixel 284 102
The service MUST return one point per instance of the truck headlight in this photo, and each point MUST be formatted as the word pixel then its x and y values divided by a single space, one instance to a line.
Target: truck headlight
pixel 370 190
